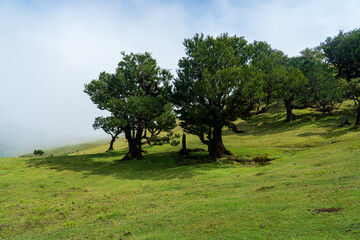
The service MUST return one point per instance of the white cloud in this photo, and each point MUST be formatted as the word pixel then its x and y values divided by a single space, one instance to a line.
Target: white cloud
pixel 292 26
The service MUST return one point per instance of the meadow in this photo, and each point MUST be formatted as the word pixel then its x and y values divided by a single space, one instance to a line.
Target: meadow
pixel 309 190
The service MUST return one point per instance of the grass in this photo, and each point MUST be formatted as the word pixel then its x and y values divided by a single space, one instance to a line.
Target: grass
pixel 94 195
pixel 96 146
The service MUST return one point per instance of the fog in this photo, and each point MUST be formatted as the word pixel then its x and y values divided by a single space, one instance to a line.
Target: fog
pixel 50 49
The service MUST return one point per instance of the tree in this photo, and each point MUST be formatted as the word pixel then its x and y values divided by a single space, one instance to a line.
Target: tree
pixel 166 122
pixel 307 81
pixel 38 153
pixel 268 66
pixel 134 95
pixel 292 85
pixel 111 126
pixel 343 52
pixel 213 88
pixel 324 92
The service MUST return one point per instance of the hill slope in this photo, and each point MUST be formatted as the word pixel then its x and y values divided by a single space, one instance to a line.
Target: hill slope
pixel 311 189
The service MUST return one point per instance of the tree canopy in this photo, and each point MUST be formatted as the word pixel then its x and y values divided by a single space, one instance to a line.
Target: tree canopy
pixel 111 125
pixel 38 152
pixel 134 95
pixel 214 87
pixel 219 80
pixel 343 52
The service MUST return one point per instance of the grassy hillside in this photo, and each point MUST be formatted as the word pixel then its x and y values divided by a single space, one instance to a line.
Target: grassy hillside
pixel 72 149
pixel 311 190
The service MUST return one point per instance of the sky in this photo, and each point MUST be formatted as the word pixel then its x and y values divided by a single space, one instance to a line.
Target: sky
pixel 50 49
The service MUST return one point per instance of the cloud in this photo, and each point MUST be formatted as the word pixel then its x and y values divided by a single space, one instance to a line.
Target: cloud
pixel 292 26
pixel 50 49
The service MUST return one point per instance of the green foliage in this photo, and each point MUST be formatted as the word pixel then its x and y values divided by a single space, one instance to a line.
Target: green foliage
pixel 214 87
pixel 323 91
pixel 38 153
pixel 353 91
pixel 166 122
pixel 170 138
pixel 134 97
pixel 343 52
pixel 292 84
pixel 267 66
pixel 111 125
pixel 291 87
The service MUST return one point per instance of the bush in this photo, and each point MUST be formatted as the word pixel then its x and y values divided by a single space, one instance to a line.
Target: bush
pixel 38 153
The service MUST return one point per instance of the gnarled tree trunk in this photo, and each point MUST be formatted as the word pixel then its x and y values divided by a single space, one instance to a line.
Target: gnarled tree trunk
pixel 111 147
pixel 289 115
pixel 135 150
pixel 134 143
pixel 113 138
pixel 216 147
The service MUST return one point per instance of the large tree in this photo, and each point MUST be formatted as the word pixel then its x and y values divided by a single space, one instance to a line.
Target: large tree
pixel 343 52
pixel 213 88
pixel 134 95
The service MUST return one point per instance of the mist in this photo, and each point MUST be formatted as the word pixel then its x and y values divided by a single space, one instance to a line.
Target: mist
pixel 50 50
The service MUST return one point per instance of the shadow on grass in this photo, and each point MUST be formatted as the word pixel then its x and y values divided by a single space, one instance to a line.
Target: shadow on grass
pixel 267 124
pixel 155 166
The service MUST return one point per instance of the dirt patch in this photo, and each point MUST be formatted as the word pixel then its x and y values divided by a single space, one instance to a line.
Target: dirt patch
pixel 326 210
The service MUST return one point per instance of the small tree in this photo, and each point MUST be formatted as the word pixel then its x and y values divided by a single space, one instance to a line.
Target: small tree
pixel 166 122
pixel 292 86
pixel 134 95
pixel 38 153
pixel 110 125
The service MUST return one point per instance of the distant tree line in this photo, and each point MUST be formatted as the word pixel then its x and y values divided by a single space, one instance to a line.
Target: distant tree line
pixel 219 80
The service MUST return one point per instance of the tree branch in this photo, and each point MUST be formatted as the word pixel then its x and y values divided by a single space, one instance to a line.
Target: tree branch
pixel 233 127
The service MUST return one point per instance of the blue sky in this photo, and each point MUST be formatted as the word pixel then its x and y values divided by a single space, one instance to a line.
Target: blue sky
pixel 50 49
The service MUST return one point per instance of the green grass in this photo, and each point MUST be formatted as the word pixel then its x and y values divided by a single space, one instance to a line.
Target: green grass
pixel 96 195
pixel 96 146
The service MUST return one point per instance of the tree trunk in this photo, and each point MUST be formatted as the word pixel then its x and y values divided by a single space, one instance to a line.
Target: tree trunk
pixel 134 143
pixel 289 115
pixel 216 147
pixel 357 122
pixel 111 147
pixel 183 149
pixel 135 150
